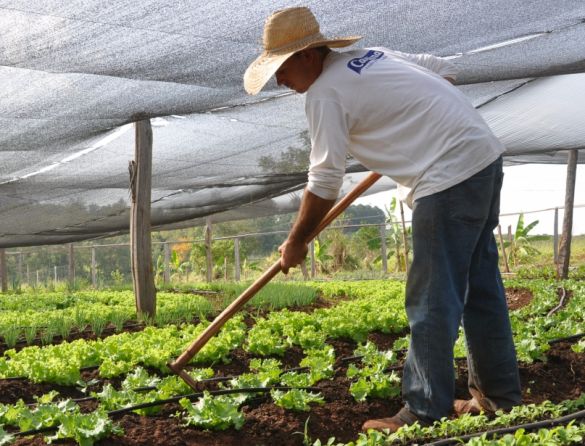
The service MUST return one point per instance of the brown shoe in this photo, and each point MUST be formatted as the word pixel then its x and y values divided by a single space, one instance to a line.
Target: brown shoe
pixel 471 407
pixel 402 418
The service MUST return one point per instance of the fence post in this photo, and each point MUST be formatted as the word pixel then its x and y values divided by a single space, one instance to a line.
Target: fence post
pixel 71 266
pixel 312 254
pixel 504 256
pixel 237 258
pixel 167 261
pixel 20 275
pixel 383 245
pixel 404 238
pixel 55 274
pixel 208 253
pixel 3 272
pixel 556 237
pixel 93 268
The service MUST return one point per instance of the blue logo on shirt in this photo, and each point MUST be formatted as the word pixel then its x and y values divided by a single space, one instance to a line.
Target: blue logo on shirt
pixel 359 63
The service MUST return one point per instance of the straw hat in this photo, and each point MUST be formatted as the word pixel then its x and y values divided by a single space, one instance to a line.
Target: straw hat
pixel 286 32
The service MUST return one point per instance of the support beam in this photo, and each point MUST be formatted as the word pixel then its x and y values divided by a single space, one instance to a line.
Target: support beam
pixel 566 237
pixel 140 242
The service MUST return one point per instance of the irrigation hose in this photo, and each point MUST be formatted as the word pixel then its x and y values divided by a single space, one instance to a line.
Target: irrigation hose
pixel 561 303
pixel 191 396
pixel 508 430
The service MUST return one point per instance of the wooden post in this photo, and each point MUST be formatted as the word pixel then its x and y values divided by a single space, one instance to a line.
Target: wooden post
pixel 140 243
pixel 3 272
pixel 383 245
pixel 93 268
pixel 556 237
pixel 566 237
pixel 71 266
pixel 208 252
pixel 167 263
pixel 504 256
pixel 237 258
pixel 225 272
pixel 312 255
pixel 404 237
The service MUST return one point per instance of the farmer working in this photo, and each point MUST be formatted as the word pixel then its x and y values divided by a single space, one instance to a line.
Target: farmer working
pixel 399 115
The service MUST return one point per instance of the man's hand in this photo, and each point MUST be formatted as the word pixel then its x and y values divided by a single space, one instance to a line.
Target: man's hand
pixel 292 253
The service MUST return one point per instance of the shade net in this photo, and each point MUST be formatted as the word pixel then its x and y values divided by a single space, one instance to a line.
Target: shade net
pixel 76 74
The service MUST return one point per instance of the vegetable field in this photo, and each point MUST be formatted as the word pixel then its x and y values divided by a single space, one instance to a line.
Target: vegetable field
pixel 303 365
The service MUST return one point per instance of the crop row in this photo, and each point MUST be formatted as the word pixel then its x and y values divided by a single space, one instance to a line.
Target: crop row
pixel 381 310
pixel 20 319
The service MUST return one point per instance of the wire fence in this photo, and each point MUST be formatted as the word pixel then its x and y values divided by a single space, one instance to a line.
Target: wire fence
pixel 109 264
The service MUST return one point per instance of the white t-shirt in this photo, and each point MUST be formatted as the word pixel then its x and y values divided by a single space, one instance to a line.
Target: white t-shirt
pixel 397 115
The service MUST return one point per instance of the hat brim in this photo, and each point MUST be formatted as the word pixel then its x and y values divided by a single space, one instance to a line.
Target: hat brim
pixel 263 68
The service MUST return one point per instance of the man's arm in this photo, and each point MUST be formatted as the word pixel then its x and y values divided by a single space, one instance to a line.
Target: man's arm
pixel 311 212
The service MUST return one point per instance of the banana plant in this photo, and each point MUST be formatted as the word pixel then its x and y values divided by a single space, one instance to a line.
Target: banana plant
pixel 520 247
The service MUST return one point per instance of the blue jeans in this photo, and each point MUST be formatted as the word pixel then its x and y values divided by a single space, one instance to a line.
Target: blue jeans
pixel 454 279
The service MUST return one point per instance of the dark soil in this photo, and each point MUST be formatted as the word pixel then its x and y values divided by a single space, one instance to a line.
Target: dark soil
pixel 518 297
pixel 561 377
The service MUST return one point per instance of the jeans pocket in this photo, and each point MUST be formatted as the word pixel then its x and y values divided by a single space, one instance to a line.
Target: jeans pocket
pixel 470 201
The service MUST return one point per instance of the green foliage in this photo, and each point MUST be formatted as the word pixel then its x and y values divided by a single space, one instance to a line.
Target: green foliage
pixel 297 399
pixel 86 429
pixel 521 245
pixel 214 413
pixel 371 379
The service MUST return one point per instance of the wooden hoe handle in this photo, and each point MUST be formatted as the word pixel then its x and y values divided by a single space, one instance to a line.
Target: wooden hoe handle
pixel 178 365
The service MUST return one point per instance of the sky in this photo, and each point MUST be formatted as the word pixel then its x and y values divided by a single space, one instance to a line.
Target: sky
pixel 527 188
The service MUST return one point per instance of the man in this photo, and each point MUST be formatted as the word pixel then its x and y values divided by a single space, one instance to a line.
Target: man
pixel 399 115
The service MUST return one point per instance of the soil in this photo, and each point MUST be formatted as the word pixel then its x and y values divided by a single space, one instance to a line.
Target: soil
pixel 561 377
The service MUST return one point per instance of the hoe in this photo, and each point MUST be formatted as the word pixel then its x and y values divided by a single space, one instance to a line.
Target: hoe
pixel 179 364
